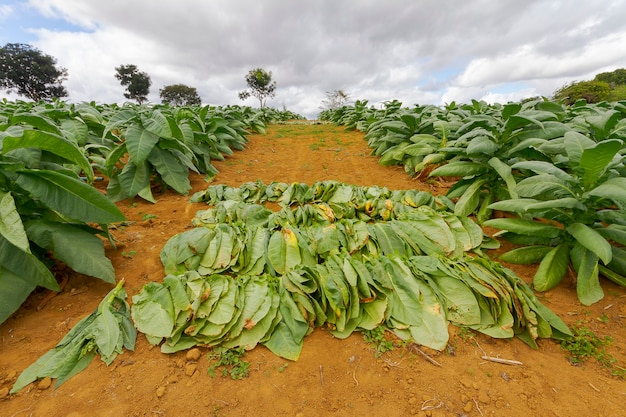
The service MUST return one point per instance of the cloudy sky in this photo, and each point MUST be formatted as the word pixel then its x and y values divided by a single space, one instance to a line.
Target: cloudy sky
pixel 416 51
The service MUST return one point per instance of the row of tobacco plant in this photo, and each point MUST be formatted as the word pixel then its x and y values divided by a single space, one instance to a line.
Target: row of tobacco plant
pixel 557 171
pixel 51 154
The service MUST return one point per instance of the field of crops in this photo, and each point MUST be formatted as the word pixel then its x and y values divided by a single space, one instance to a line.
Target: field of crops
pixel 272 259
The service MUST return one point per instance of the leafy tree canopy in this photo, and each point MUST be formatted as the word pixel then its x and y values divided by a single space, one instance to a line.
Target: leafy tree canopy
pixel 606 86
pixel 260 85
pixel 180 95
pixel 137 83
pixel 615 78
pixel 31 73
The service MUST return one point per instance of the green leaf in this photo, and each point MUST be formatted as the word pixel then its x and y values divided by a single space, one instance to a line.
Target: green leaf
pixel 153 311
pixel 134 178
pixel 37 121
pixel 525 227
pixel 11 226
pixel 460 301
pixel 470 199
pixel 585 263
pixel 459 169
pixel 50 142
pixel 106 332
pixel 544 187
pixel 543 167
pixel 63 239
pixel 282 343
pixel 26 265
pixel 594 161
pixel 504 171
pixel 139 142
pixel 575 144
pixel 517 205
pixel 482 145
pixel 566 202
pixel 119 119
pixel 525 255
pixel 614 232
pixel 157 124
pixel 592 240
pixel 69 196
pixel 74 352
pixel 14 290
pixel 613 189
pixel 552 268
pixel 173 172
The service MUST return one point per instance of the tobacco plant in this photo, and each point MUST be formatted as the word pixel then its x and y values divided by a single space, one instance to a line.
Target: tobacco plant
pixel 571 217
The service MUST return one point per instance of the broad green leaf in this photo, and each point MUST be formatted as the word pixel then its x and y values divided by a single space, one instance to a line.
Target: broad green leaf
pixel 153 310
pixel 575 144
pixel 62 240
pixel 525 227
pixel 282 343
pixel 106 332
pixel 460 302
pixel 139 143
pixel 158 124
pixel 566 202
pixel 14 290
pixel 119 119
pixel 459 169
pixel 517 205
pixel 543 167
pixel 504 171
pixel 26 265
pixel 614 232
pixel 544 187
pixel 173 172
pixel 39 122
pixel 372 313
pixel 613 189
pixel 585 263
pixel 76 130
pixel 525 255
pixel 388 241
pixel 134 178
pixel 11 226
pixel 292 250
pixel 482 145
pixel 69 196
pixel 277 252
pixel 552 268
pixel 595 160
pixel 470 199
pixel 592 240
pixel 52 143
pixel 90 335
pixel 114 157
pixel 603 122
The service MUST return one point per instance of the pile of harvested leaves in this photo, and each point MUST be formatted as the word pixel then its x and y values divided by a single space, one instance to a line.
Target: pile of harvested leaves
pixel 347 257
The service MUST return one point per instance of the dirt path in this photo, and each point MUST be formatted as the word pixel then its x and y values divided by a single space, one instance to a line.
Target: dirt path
pixel 332 377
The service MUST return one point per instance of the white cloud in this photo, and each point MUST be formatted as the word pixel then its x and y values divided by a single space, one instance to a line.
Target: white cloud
pixel 417 52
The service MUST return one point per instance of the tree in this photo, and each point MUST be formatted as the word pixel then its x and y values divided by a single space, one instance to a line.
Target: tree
pixel 591 91
pixel 614 79
pixel 180 95
pixel 260 85
pixel 31 73
pixel 137 83
pixel 335 99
